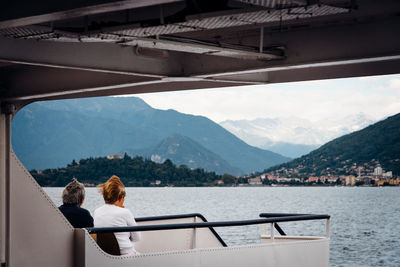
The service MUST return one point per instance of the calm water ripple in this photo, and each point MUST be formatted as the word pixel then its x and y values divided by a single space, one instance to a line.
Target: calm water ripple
pixel 365 229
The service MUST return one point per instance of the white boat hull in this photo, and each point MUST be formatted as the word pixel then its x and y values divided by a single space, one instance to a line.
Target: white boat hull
pixel 278 254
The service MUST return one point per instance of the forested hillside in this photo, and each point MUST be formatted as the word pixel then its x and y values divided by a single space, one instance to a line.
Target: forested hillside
pixel 135 171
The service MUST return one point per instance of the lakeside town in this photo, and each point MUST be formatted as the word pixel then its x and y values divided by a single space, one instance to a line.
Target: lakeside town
pixel 365 175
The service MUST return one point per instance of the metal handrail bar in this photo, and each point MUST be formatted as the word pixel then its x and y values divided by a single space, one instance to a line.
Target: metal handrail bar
pixel 170 217
pixel 204 224
pixel 279 229
pixel 317 216
pixel 182 216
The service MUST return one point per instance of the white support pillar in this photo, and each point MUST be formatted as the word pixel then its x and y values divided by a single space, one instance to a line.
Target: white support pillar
pixel 2 186
pixel 6 113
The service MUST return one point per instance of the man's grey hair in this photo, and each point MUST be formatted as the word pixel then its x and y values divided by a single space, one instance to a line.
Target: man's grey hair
pixel 74 193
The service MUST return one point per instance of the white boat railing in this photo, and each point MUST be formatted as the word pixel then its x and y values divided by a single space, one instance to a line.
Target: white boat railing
pixel 274 225
pixel 266 218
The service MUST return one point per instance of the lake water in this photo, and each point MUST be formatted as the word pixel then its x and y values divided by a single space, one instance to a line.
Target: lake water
pixel 365 228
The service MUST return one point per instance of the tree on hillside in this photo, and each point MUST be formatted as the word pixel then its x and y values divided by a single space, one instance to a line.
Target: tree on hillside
pixel 228 179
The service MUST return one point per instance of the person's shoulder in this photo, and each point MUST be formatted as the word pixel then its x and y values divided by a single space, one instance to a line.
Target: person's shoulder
pixel 119 210
pixel 127 213
pixel 62 209
pixel 100 209
pixel 125 210
pixel 87 217
pixel 83 210
pixel 66 208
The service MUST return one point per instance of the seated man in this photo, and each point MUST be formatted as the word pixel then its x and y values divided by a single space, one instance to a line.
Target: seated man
pixel 73 196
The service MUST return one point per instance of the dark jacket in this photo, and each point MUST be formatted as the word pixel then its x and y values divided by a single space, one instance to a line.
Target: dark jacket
pixel 77 216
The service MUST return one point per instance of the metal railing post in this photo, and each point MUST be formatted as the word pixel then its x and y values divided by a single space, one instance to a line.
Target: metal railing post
pixel 327 228
pixel 264 229
pixel 194 242
pixel 272 231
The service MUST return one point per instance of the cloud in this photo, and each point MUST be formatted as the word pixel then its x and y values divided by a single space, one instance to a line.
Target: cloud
pixel 314 100
pixel 369 79
pixel 394 84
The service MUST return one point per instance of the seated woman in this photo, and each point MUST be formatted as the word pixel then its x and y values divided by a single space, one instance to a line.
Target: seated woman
pixel 73 197
pixel 113 213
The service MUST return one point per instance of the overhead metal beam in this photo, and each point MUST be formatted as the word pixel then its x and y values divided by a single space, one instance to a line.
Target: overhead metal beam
pixel 163 85
pixel 82 91
pixel 28 81
pixel 21 13
pixel 336 71
pixel 117 58
pixel 356 68
pixel 32 82
pixel 315 47
pixel 204 49
pixel 310 66
pixel 102 57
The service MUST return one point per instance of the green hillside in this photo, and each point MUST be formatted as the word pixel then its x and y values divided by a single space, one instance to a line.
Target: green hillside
pixel 376 144
pixel 132 171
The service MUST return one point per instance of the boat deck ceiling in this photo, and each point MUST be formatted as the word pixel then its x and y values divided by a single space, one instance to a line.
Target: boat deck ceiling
pixel 55 50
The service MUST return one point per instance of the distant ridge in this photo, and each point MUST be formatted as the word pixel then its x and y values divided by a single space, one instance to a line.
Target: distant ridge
pixel 376 144
pixel 50 134
pixel 182 150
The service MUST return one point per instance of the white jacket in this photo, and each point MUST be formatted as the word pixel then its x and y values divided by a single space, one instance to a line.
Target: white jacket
pixel 110 215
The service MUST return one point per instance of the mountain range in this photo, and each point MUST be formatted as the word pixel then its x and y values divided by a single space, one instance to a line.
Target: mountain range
pixel 293 136
pixel 363 150
pixel 53 133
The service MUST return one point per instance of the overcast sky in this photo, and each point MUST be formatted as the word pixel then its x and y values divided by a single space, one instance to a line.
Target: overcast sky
pixel 377 96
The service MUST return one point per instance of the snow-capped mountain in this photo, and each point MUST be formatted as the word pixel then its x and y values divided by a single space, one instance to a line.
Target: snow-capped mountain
pixel 272 133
